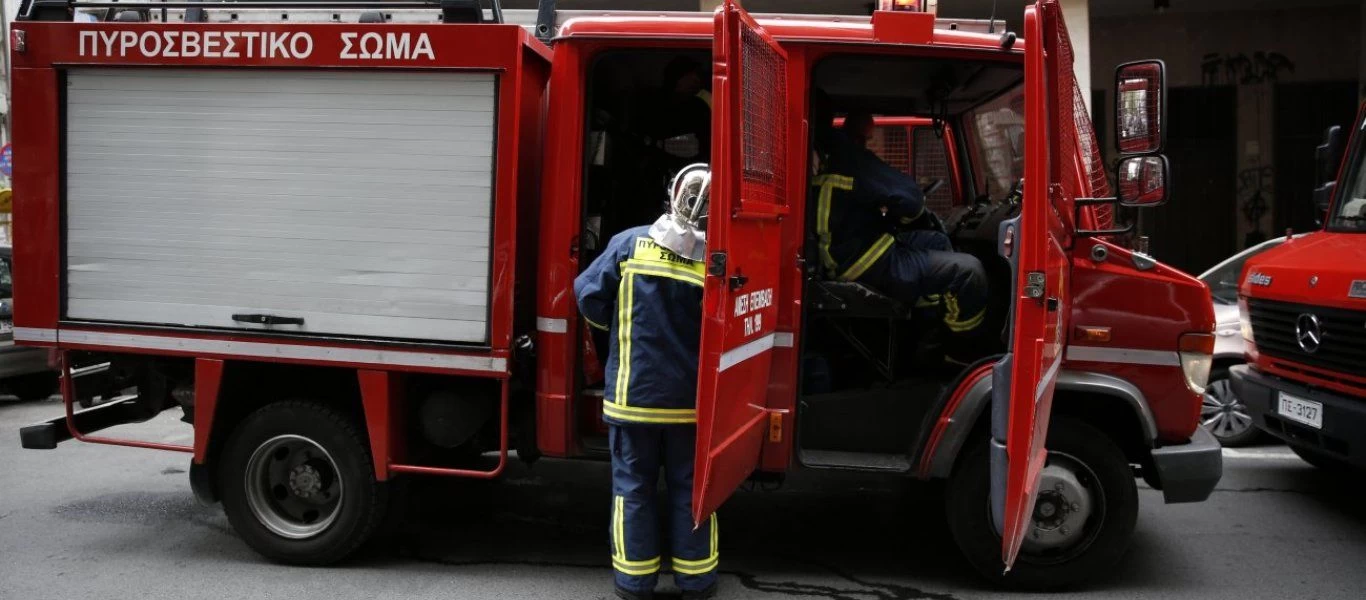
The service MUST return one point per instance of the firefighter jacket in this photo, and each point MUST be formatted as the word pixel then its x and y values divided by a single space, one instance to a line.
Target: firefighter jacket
pixel 852 191
pixel 649 300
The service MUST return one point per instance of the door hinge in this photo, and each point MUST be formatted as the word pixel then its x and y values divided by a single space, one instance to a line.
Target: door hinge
pixel 1034 284
pixel 716 264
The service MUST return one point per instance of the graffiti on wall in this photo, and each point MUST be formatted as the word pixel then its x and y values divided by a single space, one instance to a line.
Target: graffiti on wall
pixel 1254 193
pixel 1241 69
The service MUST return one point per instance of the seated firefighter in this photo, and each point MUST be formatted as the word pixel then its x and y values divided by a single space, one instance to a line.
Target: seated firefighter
pixel 872 227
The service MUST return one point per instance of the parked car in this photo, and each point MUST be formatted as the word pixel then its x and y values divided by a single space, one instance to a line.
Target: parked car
pixel 1222 413
pixel 23 371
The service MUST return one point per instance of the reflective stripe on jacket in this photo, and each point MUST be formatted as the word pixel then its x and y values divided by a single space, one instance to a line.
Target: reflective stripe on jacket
pixel 851 192
pixel 649 300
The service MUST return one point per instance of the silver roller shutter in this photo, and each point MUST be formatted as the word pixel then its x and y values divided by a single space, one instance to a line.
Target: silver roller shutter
pixel 359 201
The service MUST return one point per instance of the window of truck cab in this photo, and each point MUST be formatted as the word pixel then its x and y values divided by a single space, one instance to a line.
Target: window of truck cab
pixel 995 142
pixel 1349 212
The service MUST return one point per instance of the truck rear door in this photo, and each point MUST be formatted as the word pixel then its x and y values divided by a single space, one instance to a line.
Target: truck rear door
pixel 1024 380
pixel 749 145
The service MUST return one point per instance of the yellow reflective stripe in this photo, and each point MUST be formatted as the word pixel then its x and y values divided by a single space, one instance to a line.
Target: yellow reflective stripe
pixel 705 565
pixel 828 183
pixel 961 326
pixel 619 560
pixel 636 567
pixel 706 97
pixel 715 548
pixel 625 297
pixel 700 569
pixel 618 528
pixel 927 301
pixel 639 414
pixel 594 325
pixel 860 266
pixel 649 252
pixel 661 271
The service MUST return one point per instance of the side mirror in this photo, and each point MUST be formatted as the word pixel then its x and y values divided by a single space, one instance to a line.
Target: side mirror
pixel 1140 107
pixel 1143 181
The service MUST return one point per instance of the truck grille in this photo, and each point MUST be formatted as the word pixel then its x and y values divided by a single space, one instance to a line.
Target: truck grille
pixel 1342 345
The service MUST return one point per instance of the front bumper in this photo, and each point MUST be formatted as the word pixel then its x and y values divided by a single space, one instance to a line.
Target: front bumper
pixel 1188 472
pixel 1343 435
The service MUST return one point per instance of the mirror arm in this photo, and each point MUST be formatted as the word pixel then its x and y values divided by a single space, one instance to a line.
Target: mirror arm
pixel 1078 203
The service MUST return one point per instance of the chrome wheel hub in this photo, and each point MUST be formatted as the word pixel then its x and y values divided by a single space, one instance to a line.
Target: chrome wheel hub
pixel 1061 509
pixel 1222 413
pixel 292 487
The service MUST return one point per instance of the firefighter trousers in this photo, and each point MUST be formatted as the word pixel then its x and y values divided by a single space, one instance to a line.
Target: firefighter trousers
pixel 638 453
pixel 922 268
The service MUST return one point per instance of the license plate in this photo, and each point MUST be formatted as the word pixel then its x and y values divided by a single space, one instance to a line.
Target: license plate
pixel 1302 411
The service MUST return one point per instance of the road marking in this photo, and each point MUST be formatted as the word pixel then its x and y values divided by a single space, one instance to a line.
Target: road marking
pixel 1275 453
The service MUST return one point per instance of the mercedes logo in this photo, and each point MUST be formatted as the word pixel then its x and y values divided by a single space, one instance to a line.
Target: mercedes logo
pixel 1308 332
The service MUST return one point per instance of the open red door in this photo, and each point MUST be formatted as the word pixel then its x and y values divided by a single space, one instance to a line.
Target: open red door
pixel 749 150
pixel 1025 378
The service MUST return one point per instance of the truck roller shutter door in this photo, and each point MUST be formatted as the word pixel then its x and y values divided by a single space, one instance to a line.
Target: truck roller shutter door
pixel 357 201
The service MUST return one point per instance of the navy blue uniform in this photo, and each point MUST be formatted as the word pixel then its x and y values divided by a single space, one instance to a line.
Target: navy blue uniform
pixel 650 301
pixel 858 242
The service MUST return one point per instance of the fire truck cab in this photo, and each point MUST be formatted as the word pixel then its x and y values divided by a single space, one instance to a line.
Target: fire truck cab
pixel 1302 307
pixel 343 244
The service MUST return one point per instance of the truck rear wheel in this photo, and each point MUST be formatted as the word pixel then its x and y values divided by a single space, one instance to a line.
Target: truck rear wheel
pixel 1084 514
pixel 298 484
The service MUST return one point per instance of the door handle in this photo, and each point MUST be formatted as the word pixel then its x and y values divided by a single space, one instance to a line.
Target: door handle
pixel 260 319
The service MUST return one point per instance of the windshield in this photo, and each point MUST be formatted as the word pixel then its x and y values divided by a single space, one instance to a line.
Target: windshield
pixel 995 133
pixel 1349 213
pixel 1223 279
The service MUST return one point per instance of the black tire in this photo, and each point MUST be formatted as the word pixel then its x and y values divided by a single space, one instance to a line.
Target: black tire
pixel 344 468
pixel 1320 459
pixel 34 386
pixel 1229 433
pixel 1106 533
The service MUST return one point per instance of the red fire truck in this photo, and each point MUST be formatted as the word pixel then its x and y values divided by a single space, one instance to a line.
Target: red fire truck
pixel 1303 309
pixel 342 242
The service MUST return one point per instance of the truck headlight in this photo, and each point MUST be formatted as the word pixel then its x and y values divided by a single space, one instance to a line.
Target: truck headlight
pixel 1197 354
pixel 1244 321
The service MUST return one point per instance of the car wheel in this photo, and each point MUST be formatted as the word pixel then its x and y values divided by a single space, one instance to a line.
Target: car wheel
pixel 297 483
pixel 1224 415
pixel 1084 513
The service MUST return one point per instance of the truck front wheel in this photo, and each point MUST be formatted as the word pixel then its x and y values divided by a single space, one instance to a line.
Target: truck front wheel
pixel 298 485
pixel 1084 514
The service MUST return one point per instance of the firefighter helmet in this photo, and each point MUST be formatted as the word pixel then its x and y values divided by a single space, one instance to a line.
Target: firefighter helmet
pixel 683 229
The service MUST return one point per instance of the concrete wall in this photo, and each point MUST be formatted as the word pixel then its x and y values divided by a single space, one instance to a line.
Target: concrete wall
pixel 1317 44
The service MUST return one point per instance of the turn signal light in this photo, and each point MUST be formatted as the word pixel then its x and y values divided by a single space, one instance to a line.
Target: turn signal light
pixel 1197 356
pixel 1093 334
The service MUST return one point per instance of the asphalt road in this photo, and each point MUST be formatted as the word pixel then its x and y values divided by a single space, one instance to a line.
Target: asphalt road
pixel 88 521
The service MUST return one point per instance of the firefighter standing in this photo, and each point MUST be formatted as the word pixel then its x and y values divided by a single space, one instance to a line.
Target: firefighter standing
pixel 646 290
pixel 863 206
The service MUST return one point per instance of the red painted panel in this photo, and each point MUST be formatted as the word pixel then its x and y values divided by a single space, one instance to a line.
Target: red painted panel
pixel 739 306
pixel 208 379
pixel 378 394
pixel 314 45
pixel 1040 322
pixel 1145 310
pixel 37 198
